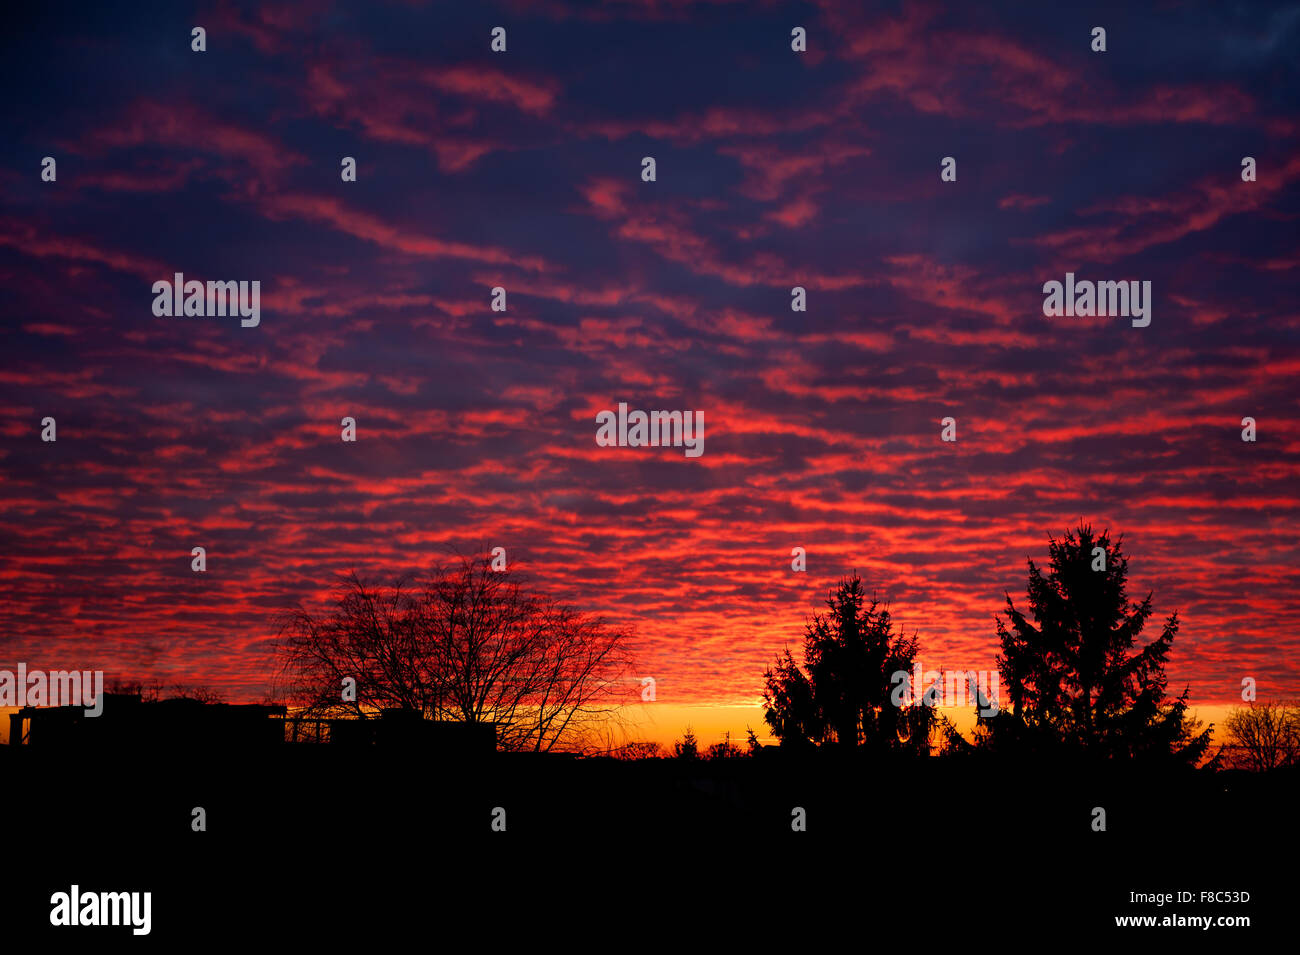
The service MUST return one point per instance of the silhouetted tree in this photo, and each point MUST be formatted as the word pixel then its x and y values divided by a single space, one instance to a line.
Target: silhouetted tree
pixel 1262 736
pixel 637 750
pixel 725 750
pixel 842 693
pixel 150 692
pixel 1075 677
pixel 687 747
pixel 465 642
pixel 201 692
pixel 156 690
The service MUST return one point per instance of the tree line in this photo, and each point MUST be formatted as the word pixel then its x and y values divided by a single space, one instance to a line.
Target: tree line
pixel 469 641
pixel 1078 680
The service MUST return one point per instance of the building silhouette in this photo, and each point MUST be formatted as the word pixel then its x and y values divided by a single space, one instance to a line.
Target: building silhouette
pixel 130 722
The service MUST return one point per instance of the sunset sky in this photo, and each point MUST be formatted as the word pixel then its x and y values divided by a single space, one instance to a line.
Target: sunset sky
pixel 522 169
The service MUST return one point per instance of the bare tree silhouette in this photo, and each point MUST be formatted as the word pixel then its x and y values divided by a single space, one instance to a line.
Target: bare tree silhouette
pixel 1262 736
pixel 465 642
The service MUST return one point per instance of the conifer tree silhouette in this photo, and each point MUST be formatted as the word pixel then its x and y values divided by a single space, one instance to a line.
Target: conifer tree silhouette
pixel 842 694
pixel 1076 677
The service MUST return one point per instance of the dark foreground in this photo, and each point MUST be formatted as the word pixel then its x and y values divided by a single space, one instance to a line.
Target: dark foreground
pixel 311 844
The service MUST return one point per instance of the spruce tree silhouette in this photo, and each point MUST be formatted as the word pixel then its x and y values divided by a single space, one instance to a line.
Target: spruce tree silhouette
pixel 1075 678
pixel 687 747
pixel 842 694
